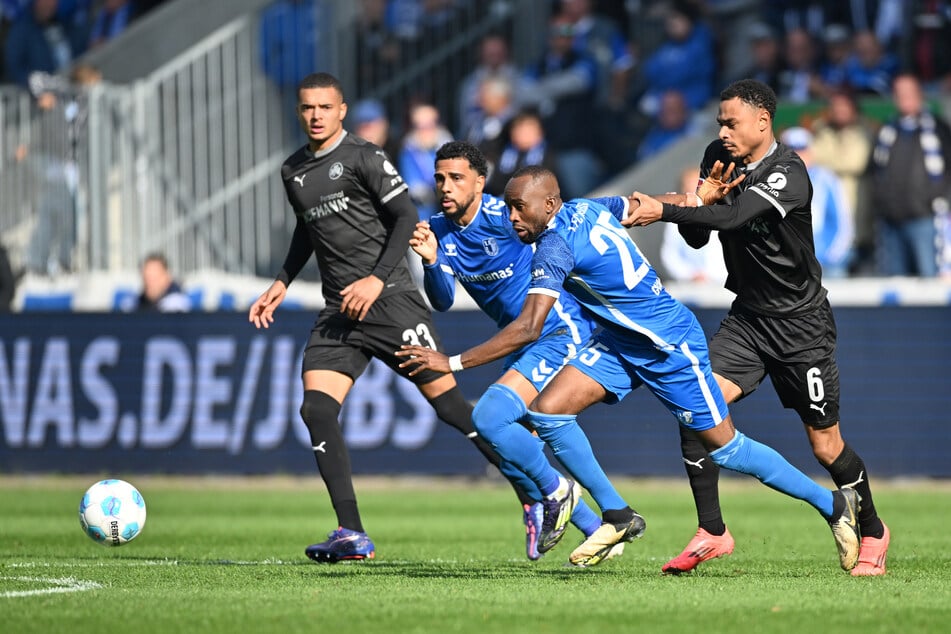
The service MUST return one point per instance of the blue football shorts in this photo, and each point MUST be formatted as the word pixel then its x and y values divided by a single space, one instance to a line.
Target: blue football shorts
pixel 681 378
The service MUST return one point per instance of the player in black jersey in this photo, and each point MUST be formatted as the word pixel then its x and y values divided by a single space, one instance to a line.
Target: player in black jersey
pixel 780 324
pixel 354 213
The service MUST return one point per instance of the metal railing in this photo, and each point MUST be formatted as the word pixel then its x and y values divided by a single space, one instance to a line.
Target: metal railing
pixel 186 161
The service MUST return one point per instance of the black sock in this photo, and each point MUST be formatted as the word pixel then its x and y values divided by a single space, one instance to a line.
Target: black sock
pixel 704 476
pixel 320 411
pixel 453 408
pixel 618 516
pixel 849 470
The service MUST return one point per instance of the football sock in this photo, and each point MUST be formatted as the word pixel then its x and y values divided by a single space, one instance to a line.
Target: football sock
pixel 619 516
pixel 585 519
pixel 571 447
pixel 496 418
pixel 848 470
pixel 748 456
pixel 453 408
pixel 704 476
pixel 319 411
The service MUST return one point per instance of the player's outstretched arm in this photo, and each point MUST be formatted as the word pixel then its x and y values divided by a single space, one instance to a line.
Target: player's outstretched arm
pixel 261 313
pixel 645 210
pixel 523 330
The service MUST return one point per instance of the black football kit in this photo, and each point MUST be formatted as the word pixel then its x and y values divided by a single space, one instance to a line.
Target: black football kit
pixel 780 323
pixel 353 211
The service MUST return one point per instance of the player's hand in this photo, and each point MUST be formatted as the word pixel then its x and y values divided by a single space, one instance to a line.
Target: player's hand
pixel 633 202
pixel 423 358
pixel 648 211
pixel 261 313
pixel 359 296
pixel 424 242
pixel 718 184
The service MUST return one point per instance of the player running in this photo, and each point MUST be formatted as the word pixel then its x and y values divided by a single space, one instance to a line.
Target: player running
pixel 648 338
pixel 781 324
pixel 472 241
pixel 354 213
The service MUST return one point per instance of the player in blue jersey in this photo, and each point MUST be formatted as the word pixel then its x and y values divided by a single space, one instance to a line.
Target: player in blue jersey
pixel 472 241
pixel 647 338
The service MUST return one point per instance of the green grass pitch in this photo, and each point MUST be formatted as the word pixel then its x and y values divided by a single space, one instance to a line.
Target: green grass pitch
pixel 226 555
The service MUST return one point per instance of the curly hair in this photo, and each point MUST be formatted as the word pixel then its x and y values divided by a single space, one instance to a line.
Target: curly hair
pixel 752 92
pixel 464 150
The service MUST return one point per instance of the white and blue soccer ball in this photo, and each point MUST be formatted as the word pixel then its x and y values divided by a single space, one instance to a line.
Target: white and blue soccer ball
pixel 112 512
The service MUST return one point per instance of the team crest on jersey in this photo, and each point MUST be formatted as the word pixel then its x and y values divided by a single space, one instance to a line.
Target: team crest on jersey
pixel 490 246
pixel 336 171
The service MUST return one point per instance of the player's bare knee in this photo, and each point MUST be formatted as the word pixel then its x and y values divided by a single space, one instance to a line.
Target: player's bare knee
pixel 827 443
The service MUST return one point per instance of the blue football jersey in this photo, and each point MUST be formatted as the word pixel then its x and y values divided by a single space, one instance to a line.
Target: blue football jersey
pixel 493 265
pixel 587 252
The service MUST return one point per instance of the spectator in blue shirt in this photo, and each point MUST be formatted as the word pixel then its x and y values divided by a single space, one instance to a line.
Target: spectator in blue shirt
pixel 833 231
pixel 111 19
pixel 870 69
pixel 684 62
pixel 39 41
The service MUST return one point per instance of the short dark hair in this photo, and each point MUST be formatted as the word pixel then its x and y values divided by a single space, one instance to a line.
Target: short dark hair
pixel 752 92
pixel 320 80
pixel 535 171
pixel 464 150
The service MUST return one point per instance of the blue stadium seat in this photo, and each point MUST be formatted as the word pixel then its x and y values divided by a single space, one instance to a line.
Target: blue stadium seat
pixel 124 299
pixel 226 301
pixel 195 297
pixel 58 301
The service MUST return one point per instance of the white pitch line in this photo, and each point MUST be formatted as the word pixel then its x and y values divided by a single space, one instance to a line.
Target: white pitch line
pixel 153 562
pixel 59 585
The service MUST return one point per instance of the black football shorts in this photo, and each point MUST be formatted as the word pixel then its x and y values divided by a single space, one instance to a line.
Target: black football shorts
pixel 798 355
pixel 343 345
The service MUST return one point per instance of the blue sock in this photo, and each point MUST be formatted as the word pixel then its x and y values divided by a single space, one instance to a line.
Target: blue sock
pixel 571 447
pixel 586 520
pixel 496 417
pixel 764 463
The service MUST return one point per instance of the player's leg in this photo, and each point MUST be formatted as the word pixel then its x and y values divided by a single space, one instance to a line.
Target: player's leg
pixel 330 366
pixel 497 417
pixel 527 372
pixel 454 409
pixel 738 370
pixel 595 375
pixel 807 380
pixel 405 319
pixel 692 395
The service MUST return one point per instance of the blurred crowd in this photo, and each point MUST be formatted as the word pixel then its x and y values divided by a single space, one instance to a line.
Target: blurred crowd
pixel 49 35
pixel 615 83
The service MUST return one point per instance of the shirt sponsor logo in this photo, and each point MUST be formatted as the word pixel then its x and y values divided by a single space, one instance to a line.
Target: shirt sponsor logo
pixel 776 180
pixel 388 168
pixel 336 171
pixel 487 277
pixel 538 273
pixel 332 204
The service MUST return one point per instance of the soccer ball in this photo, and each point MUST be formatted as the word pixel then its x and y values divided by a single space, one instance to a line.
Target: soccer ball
pixel 112 512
